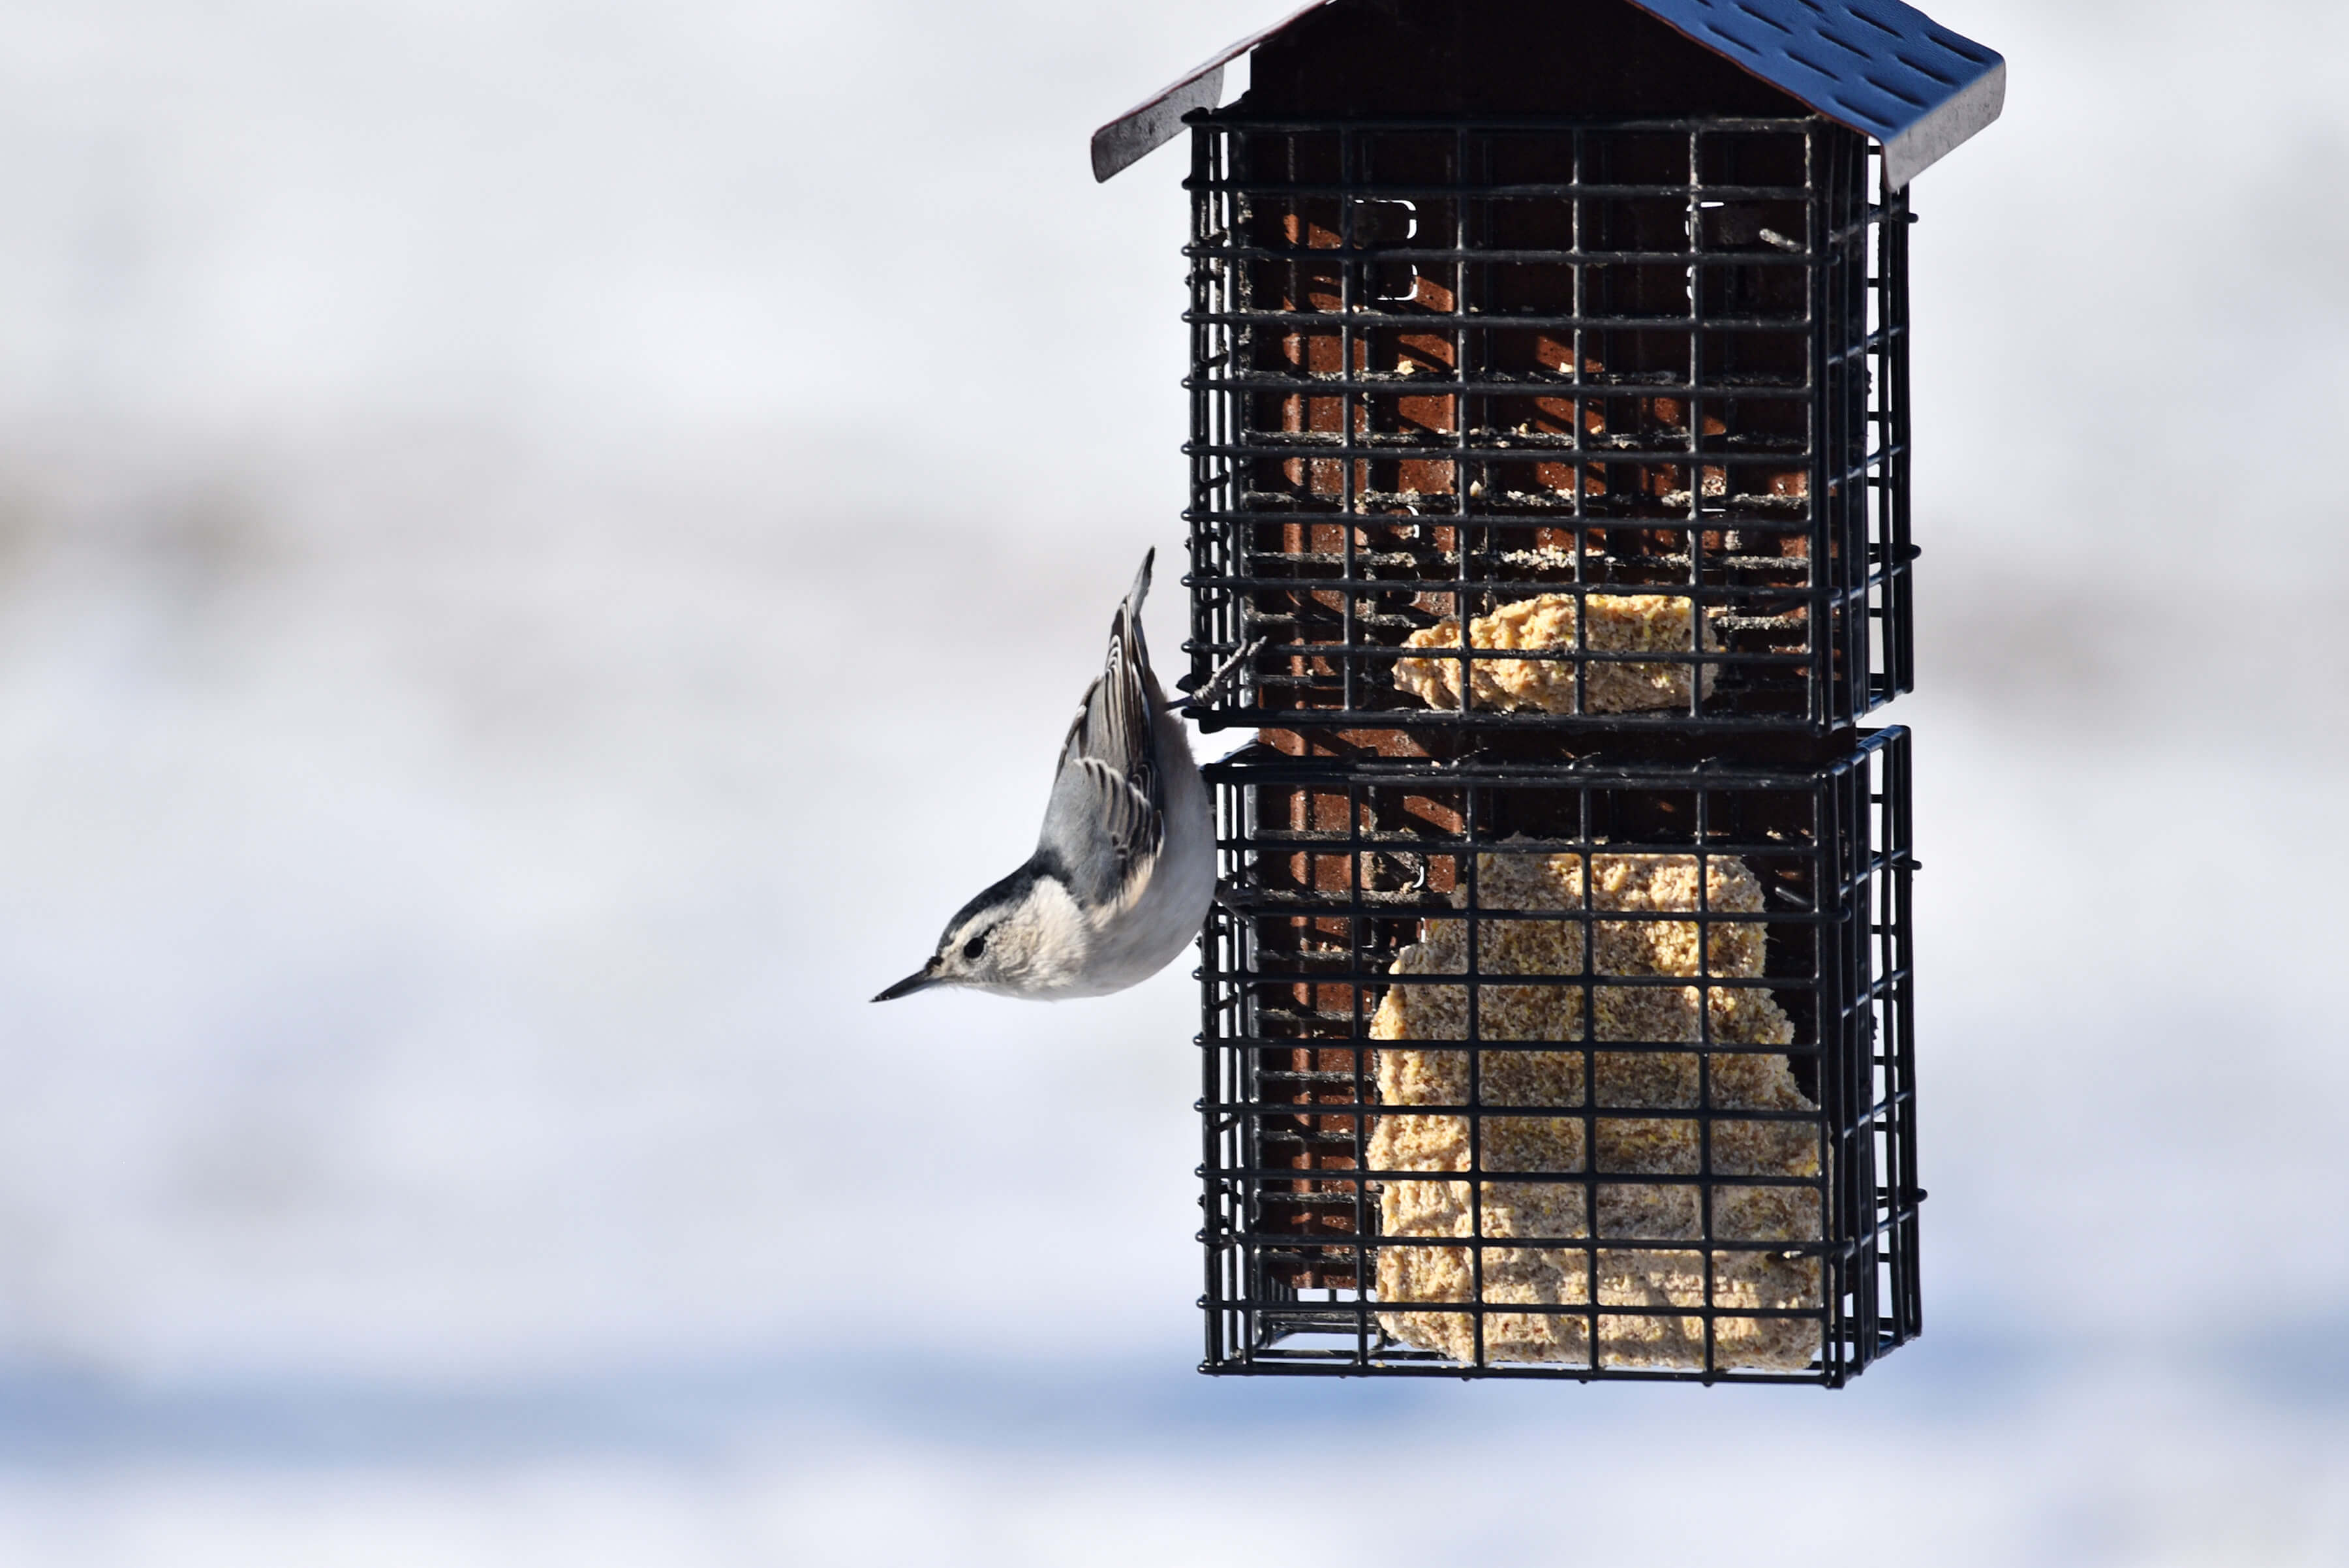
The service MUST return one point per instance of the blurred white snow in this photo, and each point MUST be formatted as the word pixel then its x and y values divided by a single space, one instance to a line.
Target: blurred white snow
pixel 527 592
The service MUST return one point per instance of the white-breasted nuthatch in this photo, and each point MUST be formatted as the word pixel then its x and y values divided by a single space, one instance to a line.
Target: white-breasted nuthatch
pixel 1125 866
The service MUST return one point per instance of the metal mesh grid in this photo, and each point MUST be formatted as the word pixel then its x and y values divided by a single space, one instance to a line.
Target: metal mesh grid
pixel 1636 389
pixel 1697 1196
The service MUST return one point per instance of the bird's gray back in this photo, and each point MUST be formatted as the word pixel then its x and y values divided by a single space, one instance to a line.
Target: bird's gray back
pixel 1107 811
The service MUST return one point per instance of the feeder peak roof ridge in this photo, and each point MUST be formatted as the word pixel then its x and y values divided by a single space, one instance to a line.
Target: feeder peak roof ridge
pixel 1882 68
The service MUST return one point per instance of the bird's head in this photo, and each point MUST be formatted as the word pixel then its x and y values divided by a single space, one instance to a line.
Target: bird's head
pixel 1023 936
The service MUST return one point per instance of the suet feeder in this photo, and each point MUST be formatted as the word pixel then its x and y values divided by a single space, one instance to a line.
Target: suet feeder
pixel 1549 433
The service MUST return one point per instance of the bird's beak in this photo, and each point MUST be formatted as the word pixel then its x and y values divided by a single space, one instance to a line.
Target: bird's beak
pixel 921 979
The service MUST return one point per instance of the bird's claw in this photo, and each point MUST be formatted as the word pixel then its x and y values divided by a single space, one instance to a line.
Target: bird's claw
pixel 1204 696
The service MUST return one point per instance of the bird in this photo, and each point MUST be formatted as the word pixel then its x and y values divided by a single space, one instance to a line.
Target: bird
pixel 1124 869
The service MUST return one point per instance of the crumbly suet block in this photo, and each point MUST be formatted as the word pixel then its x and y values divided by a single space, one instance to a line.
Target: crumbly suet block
pixel 1618 624
pixel 1657 1277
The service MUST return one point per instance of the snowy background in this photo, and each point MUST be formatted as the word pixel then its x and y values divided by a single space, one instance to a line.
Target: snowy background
pixel 446 449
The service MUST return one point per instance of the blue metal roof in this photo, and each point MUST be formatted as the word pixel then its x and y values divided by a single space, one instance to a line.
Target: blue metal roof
pixel 1883 69
pixel 1876 66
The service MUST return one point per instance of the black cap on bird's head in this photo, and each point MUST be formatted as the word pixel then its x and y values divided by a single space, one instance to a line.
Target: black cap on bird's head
pixel 964 941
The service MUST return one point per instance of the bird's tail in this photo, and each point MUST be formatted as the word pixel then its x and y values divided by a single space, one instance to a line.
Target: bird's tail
pixel 1125 630
pixel 1141 589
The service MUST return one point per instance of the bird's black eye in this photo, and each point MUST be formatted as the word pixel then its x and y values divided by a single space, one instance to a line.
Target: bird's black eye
pixel 975 946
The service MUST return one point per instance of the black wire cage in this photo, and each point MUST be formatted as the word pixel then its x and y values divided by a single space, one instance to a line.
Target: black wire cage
pixel 1590 1070
pixel 1549 493
pixel 1627 398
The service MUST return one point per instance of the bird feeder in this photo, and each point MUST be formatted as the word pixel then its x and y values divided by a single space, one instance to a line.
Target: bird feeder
pixel 1550 441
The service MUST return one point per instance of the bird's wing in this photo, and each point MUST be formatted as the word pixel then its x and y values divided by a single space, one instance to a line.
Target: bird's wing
pixel 1108 813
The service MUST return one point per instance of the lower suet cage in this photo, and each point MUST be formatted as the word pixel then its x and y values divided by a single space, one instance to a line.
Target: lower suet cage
pixel 1583 1068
